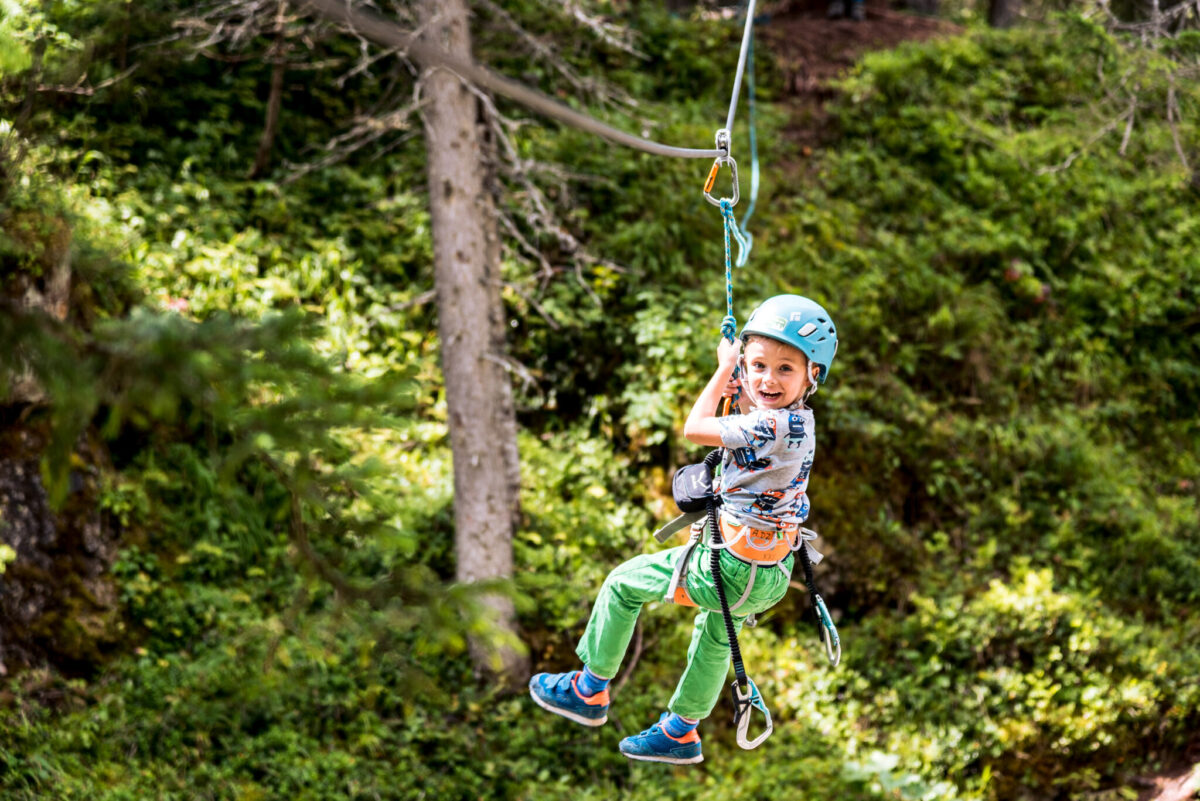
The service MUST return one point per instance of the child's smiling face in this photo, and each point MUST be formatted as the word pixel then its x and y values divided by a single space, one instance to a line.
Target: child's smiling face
pixel 777 374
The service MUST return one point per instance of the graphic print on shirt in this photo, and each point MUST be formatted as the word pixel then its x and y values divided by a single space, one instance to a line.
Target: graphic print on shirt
pixel 764 432
pixel 802 477
pixel 798 508
pixel 764 503
pixel 745 459
pixel 796 434
pixel 768 457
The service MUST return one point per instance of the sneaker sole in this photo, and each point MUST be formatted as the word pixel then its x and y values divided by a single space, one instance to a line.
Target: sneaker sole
pixel 669 760
pixel 568 715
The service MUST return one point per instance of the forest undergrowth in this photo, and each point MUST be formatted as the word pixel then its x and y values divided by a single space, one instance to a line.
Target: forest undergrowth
pixel 1008 442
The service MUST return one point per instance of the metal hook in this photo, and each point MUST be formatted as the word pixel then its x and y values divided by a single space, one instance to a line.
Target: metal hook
pixel 829 634
pixel 712 178
pixel 742 704
pixel 723 144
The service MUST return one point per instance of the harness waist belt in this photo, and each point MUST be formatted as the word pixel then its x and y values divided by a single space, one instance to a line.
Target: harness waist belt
pixel 757 546
pixel 754 554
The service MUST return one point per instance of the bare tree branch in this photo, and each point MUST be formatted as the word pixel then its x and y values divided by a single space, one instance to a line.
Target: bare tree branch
pixel 415 300
pixel 1129 126
pixel 538 48
pixel 550 321
pixel 514 367
pixel 1172 119
pixel 86 90
pixel 1100 134
pixel 615 36
pixel 1141 39
pixel 366 129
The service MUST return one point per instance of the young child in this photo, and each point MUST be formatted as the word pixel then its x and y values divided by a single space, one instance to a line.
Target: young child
pixel 789 344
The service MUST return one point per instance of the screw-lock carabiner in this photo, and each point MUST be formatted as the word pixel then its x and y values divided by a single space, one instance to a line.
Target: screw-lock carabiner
pixel 712 179
pixel 722 143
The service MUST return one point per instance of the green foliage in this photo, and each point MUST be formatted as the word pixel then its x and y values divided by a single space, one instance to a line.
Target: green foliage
pixel 1007 442
pixel 1024 679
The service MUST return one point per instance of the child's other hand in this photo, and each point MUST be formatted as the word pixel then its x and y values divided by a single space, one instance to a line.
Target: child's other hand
pixel 732 388
pixel 728 352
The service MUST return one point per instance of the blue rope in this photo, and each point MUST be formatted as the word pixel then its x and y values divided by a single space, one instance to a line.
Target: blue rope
pixel 729 324
pixel 744 254
pixel 743 236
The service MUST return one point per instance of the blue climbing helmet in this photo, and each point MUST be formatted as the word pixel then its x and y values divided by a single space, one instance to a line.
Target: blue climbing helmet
pixel 797 321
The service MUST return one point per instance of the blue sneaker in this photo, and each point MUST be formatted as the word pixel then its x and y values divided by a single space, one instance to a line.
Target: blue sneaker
pixel 655 745
pixel 557 692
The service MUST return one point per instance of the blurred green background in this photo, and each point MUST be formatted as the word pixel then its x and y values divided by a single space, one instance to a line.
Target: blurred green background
pixel 246 398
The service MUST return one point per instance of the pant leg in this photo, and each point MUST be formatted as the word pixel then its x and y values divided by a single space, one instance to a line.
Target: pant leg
pixel 627 589
pixel 704 678
pixel 707 671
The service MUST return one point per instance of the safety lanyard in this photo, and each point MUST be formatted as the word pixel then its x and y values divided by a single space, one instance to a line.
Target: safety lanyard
pixel 746 696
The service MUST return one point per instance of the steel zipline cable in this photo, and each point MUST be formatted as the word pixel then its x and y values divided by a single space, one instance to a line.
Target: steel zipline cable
pixel 376 28
pixel 747 43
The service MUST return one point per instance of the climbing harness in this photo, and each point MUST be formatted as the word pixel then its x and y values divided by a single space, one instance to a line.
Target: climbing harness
pixel 693 485
pixel 752 546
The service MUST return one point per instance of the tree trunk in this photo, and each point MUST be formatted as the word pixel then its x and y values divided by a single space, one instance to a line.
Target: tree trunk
pixel 466 252
pixel 1003 13
pixel 262 158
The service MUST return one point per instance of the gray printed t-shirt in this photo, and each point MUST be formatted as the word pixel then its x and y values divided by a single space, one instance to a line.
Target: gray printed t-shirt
pixel 764 477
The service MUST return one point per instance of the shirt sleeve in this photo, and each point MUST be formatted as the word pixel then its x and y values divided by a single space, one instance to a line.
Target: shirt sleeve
pixel 758 430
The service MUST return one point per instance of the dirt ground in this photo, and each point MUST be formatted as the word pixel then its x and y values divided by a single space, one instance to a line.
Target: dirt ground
pixel 812 50
pixel 1179 781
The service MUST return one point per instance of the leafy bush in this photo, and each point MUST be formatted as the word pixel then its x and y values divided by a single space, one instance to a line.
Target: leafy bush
pixel 1004 478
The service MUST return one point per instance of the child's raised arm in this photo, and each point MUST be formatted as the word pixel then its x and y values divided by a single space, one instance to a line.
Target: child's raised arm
pixel 702 427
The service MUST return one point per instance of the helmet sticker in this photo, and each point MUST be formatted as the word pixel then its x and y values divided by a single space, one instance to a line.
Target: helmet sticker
pixel 778 323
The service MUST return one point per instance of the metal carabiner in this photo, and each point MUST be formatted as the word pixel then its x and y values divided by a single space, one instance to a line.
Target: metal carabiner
pixel 722 142
pixel 742 704
pixel 712 178
pixel 829 633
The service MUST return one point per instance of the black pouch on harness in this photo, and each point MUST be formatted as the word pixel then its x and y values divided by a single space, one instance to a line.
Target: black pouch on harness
pixel 692 487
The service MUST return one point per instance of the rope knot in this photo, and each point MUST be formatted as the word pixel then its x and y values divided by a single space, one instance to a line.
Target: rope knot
pixel 729 327
pixel 732 229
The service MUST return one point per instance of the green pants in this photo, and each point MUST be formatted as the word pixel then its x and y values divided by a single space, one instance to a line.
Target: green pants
pixel 645 579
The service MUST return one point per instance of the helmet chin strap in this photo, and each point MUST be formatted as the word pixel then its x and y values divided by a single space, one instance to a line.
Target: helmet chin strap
pixel 746 381
pixel 814 373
